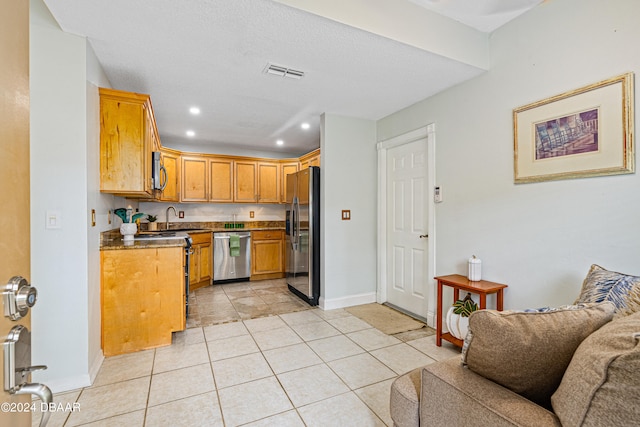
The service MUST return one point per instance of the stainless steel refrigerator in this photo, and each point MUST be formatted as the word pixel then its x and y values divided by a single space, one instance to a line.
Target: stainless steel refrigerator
pixel 303 234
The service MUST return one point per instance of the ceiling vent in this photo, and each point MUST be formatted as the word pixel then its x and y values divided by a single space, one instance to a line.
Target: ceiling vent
pixel 280 71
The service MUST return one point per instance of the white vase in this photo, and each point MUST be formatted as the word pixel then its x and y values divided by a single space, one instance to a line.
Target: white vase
pixel 128 229
pixel 457 325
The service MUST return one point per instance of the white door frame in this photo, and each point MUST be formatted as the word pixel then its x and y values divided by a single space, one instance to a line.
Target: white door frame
pixel 428 132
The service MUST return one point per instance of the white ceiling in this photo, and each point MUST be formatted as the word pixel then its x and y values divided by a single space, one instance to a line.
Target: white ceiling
pixel 212 54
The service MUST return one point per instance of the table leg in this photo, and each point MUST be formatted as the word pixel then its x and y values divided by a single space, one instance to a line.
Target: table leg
pixel 456 294
pixel 439 316
pixel 499 300
pixel 483 301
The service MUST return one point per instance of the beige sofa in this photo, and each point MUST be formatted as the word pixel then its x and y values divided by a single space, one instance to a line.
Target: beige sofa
pixel 561 368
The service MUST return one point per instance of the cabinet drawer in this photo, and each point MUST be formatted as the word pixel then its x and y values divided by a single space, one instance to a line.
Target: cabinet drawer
pixel 198 238
pixel 267 235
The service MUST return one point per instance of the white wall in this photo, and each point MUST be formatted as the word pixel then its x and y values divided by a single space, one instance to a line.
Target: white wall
pixel 347 181
pixel 64 168
pixel 540 239
pixel 102 203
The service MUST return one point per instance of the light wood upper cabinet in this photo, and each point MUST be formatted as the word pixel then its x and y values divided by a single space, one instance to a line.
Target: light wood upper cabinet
pixel 171 163
pixel 310 159
pixel 286 169
pixel 221 183
pixel 195 174
pixel 246 179
pixel 268 182
pixel 127 137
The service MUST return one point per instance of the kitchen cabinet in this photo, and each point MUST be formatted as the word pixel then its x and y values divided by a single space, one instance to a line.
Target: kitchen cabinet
pixel 310 159
pixel 143 298
pixel 194 183
pixel 171 163
pixel 207 179
pixel 286 168
pixel 246 180
pixel 221 179
pixel 201 262
pixel 128 135
pixel 267 254
pixel 268 182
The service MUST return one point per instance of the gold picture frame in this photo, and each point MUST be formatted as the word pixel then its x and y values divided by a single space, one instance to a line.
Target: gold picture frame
pixel 581 133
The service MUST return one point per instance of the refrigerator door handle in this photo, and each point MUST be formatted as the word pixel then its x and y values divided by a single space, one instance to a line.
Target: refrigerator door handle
pixel 294 231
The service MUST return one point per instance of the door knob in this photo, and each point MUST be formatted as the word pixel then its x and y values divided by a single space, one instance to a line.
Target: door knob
pixel 424 236
pixel 18 296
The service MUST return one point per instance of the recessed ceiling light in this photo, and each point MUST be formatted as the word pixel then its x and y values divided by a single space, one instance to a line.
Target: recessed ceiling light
pixel 280 142
pixel 191 133
pixel 305 126
pixel 194 110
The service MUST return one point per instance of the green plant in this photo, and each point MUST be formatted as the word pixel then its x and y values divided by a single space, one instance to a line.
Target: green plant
pixel 152 218
pixel 465 307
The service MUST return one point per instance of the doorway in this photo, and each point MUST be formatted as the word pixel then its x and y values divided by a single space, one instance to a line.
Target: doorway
pixel 406 248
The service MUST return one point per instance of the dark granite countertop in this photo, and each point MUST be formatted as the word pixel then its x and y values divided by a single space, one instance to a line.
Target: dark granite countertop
pixel 111 240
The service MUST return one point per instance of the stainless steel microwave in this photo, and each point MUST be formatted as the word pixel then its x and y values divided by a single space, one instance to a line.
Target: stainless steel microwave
pixel 158 172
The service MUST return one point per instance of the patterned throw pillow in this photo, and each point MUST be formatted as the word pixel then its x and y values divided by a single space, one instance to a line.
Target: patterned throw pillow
pixel 621 289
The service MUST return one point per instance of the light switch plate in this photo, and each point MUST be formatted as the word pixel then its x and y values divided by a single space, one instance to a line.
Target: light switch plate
pixel 346 214
pixel 53 220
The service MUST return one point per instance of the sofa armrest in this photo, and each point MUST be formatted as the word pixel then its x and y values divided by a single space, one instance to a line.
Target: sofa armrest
pixel 453 395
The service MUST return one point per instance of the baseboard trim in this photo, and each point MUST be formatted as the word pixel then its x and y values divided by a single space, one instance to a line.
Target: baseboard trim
pixel 348 301
pixel 67 384
pixel 95 366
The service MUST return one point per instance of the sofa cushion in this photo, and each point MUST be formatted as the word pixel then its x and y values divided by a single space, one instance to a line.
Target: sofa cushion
pixel 602 383
pixel 528 352
pixel 603 285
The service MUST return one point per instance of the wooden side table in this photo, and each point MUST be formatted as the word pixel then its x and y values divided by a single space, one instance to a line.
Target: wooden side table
pixel 458 283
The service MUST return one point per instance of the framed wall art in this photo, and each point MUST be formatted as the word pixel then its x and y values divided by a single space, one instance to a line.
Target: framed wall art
pixel 582 133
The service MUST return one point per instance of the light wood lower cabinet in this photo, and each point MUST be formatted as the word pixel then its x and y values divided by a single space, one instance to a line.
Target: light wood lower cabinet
pixel 267 254
pixel 143 298
pixel 200 264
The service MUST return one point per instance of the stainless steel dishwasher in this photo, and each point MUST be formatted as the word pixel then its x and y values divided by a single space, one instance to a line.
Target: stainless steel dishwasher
pixel 228 268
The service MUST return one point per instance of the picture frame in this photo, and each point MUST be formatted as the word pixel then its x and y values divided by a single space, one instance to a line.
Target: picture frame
pixel 582 133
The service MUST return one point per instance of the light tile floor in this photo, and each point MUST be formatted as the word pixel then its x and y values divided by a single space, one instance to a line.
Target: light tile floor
pixel 304 367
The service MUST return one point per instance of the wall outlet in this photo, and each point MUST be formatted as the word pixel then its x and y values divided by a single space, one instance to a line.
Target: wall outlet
pixel 251 214
pixel 180 214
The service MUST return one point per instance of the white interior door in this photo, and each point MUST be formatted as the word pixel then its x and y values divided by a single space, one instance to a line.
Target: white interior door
pixel 407 227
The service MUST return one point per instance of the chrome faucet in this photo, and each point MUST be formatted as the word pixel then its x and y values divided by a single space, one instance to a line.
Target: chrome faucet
pixel 167 216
